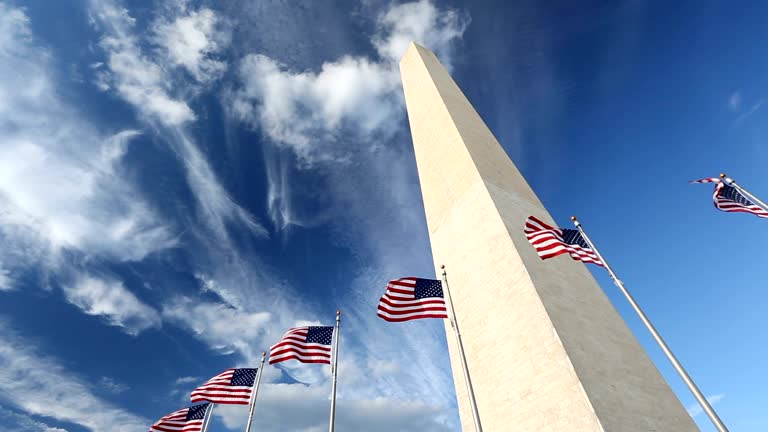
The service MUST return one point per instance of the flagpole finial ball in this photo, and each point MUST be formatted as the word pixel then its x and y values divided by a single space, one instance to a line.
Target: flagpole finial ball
pixel 442 267
pixel 338 312
pixel 722 175
pixel 573 218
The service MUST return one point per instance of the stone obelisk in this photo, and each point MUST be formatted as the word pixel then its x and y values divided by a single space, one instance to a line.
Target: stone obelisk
pixel 545 348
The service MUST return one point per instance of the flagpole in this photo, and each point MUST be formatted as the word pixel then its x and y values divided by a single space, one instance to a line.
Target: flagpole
pixel 208 415
pixel 334 371
pixel 255 392
pixel 730 182
pixel 668 352
pixel 467 380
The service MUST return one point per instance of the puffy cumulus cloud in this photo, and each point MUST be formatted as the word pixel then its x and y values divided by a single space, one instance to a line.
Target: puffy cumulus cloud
pixel 110 300
pixel 305 109
pixel 318 113
pixel 421 22
pixel 62 184
pixel 192 41
pixel 309 412
pixel 38 384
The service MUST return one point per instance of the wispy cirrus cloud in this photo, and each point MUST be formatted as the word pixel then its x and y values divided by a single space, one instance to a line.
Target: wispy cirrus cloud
pixel 145 78
pixel 24 423
pixel 62 183
pixel 110 300
pixel 223 327
pixel 38 384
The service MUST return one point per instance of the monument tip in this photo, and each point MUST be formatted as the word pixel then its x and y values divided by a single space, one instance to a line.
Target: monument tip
pixel 416 48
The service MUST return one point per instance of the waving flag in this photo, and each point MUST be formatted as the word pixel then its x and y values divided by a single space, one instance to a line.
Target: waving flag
pixel 185 420
pixel 233 386
pixel 311 344
pixel 551 242
pixel 412 298
pixel 729 199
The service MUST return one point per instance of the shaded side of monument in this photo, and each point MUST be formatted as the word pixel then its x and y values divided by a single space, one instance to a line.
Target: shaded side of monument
pixel 546 349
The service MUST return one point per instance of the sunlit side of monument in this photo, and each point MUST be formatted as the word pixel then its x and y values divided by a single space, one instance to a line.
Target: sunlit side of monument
pixel 545 348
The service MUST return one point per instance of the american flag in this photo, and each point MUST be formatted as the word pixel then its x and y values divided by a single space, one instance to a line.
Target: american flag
pixel 310 344
pixel 551 242
pixel 186 420
pixel 729 199
pixel 233 386
pixel 412 298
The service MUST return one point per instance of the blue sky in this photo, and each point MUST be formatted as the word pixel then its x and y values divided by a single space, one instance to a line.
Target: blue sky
pixel 181 181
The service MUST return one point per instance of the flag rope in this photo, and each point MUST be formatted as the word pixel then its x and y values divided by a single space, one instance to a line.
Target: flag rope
pixel 705 405
pixel 467 379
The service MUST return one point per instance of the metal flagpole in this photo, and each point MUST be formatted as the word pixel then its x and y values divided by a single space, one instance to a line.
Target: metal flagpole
pixel 730 182
pixel 455 325
pixel 254 393
pixel 678 367
pixel 208 415
pixel 334 371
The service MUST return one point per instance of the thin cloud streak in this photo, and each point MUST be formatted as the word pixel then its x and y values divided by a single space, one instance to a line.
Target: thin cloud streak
pixel 38 384
pixel 696 410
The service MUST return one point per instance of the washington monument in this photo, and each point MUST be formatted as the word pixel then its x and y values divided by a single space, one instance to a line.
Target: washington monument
pixel 545 348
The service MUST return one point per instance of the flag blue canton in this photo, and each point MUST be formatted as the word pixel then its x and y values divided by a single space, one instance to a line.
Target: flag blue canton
pixel 320 335
pixel 573 237
pixel 426 288
pixel 197 412
pixel 244 377
pixel 732 194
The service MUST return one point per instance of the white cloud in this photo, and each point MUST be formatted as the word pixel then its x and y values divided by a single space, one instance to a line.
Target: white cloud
pixel 23 423
pixel 39 385
pixel 111 300
pixel 304 110
pixel 186 380
pixel 74 194
pixel 347 111
pixel 192 40
pixel 135 77
pixel 112 386
pixel 222 327
pixel 752 109
pixel 309 408
pixel 734 101
pixel 145 79
pixel 695 409
pixel 6 283
pixel 62 183
pixel 348 100
pixel 421 22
